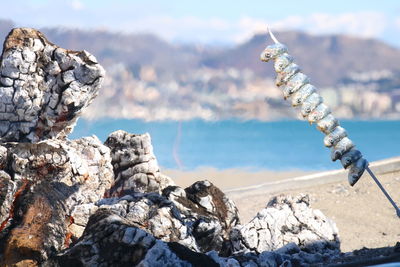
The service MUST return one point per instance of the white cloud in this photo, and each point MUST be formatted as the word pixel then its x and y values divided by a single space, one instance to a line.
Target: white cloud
pixel 77 5
pixel 187 28
pixel 138 17
pixel 364 24
pixel 246 27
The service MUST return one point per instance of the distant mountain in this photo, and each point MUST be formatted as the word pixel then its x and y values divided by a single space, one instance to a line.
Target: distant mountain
pixel 131 49
pixel 327 59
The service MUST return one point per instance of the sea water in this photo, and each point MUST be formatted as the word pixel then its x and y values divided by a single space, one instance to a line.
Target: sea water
pixel 251 145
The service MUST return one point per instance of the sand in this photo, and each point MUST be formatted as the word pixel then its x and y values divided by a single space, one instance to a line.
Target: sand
pixel 231 178
pixel 362 214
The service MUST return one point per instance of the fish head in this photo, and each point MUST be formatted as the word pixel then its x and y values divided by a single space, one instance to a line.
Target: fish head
pixel 305 109
pixel 273 51
pixel 296 101
pixel 318 113
pixel 282 61
pixel 287 92
pixel 346 161
pixel 329 141
pixel 312 117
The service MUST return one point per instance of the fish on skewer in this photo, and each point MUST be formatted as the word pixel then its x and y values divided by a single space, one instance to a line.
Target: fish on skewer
pixel 320 112
pixel 356 170
pixel 301 95
pixel 310 104
pixel 334 136
pixel 296 85
pixel 286 74
pixel 350 156
pixel 327 124
pixel 282 62
pixel 273 51
pixel 344 145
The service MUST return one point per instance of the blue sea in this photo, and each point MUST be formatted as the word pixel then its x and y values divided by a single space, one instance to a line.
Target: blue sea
pixel 250 145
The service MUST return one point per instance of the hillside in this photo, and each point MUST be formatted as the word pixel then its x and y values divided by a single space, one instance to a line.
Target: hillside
pixel 326 59
pixel 133 50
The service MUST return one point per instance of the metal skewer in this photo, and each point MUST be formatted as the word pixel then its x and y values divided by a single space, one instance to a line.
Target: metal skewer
pixel 384 191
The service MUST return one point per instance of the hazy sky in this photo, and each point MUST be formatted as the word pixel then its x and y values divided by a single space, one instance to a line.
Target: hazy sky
pixel 212 21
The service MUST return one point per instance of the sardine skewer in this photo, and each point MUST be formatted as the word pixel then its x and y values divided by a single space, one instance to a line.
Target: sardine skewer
pixel 297 85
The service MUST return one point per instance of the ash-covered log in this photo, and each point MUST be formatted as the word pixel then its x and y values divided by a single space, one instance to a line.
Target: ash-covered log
pixel 43 88
pixel 46 186
pixel 135 165
pixel 46 181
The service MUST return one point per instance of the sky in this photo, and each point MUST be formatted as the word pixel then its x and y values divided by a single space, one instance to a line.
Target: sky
pixel 212 21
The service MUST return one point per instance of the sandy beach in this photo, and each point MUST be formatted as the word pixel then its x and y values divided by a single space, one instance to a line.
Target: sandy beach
pixel 362 214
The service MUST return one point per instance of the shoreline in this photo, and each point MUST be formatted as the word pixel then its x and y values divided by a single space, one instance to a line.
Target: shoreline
pixel 319 178
pixel 231 179
pixel 241 181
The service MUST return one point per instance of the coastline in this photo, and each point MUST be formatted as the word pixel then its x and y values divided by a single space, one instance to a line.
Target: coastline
pixel 231 179
pixel 237 181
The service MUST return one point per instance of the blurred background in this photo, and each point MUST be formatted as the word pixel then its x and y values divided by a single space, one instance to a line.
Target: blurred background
pixel 188 72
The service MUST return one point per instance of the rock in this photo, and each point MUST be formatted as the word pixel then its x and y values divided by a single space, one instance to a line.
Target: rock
pixel 111 240
pixel 291 222
pixel 210 213
pixel 132 246
pixel 135 166
pixel 43 88
pixel 154 214
pixel 41 226
pixel 48 183
pixel 199 217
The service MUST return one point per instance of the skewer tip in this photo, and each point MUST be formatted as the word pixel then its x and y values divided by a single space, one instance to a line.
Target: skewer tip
pixel 272 36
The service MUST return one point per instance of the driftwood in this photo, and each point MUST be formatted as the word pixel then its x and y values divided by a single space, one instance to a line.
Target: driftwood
pixel 43 88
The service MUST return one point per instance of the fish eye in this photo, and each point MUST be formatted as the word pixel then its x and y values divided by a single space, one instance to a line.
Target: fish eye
pixel 331 141
pixel 308 110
